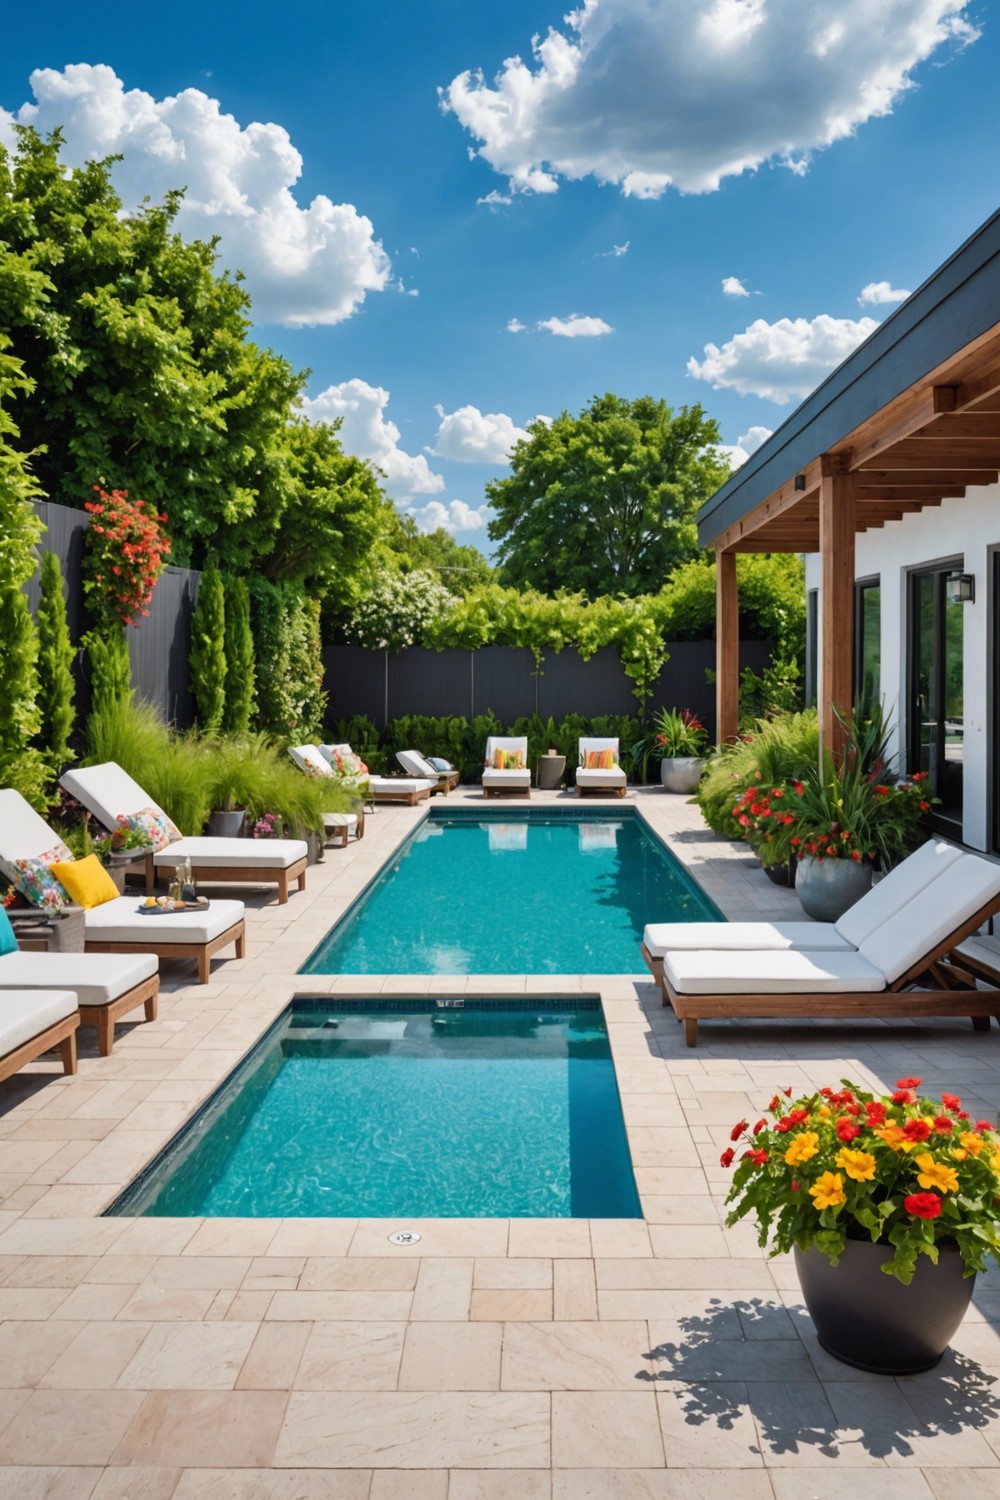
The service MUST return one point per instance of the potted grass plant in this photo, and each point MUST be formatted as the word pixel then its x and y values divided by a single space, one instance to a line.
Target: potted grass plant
pixel 680 739
pixel 889 1203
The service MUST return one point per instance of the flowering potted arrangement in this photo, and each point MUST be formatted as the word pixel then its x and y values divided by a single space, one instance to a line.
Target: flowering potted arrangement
pixel 680 739
pixel 890 1204
pixel 121 847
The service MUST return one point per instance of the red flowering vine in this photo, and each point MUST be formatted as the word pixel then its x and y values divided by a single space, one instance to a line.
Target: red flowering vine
pixel 126 552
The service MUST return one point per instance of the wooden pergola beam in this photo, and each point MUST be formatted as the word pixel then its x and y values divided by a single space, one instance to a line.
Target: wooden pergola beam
pixel 727 648
pixel 933 477
pixel 837 527
pixel 955 456
pixel 788 497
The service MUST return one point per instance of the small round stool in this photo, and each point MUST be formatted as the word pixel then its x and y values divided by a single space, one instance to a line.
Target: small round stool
pixel 339 827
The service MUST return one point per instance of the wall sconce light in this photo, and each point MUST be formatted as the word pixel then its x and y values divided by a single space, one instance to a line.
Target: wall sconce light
pixel 800 482
pixel 961 588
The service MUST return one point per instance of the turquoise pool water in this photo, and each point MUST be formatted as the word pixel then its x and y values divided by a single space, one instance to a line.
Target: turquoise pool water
pixel 488 1108
pixel 514 892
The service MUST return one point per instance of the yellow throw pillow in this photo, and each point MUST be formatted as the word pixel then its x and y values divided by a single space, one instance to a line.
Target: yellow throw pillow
pixel 86 880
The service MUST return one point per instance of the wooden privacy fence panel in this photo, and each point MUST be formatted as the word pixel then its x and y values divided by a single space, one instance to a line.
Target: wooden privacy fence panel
pixel 385 686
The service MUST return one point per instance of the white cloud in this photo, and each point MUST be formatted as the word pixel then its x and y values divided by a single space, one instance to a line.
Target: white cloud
pixel 737 453
pixel 303 265
pixel 575 327
pixel 784 360
pixel 732 286
pixel 514 325
pixel 365 433
pixel 877 293
pixel 469 436
pixel 645 93
pixel 455 517
pixel 615 253
pixel 494 199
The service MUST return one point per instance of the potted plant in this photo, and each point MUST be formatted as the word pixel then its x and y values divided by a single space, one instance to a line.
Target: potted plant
pixel 120 848
pixel 680 739
pixel 890 1205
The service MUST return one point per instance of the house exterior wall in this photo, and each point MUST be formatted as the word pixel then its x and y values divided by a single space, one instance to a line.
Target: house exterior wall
pixel 967 531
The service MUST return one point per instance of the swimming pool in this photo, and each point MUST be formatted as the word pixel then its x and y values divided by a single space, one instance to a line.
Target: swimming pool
pixel 514 892
pixel 421 1108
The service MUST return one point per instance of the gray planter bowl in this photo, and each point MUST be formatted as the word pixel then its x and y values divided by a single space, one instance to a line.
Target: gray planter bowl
pixel 827 887
pixel 681 774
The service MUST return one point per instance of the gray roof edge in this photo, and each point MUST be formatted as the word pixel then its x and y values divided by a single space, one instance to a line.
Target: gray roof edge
pixel 958 302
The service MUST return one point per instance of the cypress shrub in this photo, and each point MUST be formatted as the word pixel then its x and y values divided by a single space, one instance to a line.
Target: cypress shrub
pixel 240 676
pixel 207 657
pixel 56 690
pixel 110 669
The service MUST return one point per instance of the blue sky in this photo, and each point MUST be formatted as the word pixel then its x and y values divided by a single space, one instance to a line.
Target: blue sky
pixel 384 201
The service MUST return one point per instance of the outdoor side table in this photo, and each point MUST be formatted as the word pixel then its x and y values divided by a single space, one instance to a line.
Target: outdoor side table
pixel 45 932
pixel 550 772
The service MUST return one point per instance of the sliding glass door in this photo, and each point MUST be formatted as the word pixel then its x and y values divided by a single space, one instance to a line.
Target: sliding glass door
pixel 936 724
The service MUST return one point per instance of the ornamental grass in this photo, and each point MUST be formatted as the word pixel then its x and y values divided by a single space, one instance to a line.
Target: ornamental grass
pixel 898 1169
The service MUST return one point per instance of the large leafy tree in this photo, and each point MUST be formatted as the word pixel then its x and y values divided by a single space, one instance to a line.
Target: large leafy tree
pixel 605 502
pixel 459 566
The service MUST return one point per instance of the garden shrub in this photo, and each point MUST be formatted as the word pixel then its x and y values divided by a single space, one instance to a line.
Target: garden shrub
pixel 56 690
pixel 775 749
pixel 240 676
pixel 110 668
pixel 291 701
pixel 443 736
pixel 207 655
pixel 125 551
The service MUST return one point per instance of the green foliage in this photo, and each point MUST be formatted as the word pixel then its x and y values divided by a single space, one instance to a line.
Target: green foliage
pixel 481 727
pixel 605 502
pixel 29 772
pixel 431 736
pixel 20 529
pixel 778 689
pixel 773 751
pixel 240 673
pixel 110 668
pixel 207 656
pixel 291 701
pixel 771 596
pixel 460 568
pixel 165 765
pixel 362 735
pixel 397 610
pixel 56 690
pixel 251 771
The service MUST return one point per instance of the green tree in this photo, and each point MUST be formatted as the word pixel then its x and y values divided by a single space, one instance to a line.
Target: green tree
pixel 239 659
pixel 207 656
pixel 110 669
pixel 605 502
pixel 460 568
pixel 20 529
pixel 56 690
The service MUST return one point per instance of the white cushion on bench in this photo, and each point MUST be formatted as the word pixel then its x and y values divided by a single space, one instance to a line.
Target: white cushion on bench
pixel 234 854
pixel 506 778
pixel 27 1013
pixel 895 890
pixel 119 921
pixel 95 978
pixel 380 785
pixel 791 972
pixel 659 937
pixel 610 776
pixel 966 886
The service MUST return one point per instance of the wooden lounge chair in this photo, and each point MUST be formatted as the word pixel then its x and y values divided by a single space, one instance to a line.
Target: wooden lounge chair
pixel 864 982
pixel 32 1021
pixel 117 926
pixel 890 895
pixel 604 780
pixel 415 764
pixel 315 760
pixel 978 957
pixel 506 781
pixel 107 791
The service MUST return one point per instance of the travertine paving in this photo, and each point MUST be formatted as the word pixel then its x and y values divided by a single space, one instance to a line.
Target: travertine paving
pixel 159 1359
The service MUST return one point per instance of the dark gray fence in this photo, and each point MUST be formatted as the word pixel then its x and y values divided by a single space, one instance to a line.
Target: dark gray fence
pixel 158 645
pixel 418 681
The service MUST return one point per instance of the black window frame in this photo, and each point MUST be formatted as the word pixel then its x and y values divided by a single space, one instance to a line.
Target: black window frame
pixel 861 586
pixel 936 820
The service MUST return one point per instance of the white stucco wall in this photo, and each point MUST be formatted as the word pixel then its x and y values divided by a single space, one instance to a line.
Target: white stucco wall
pixel 965 530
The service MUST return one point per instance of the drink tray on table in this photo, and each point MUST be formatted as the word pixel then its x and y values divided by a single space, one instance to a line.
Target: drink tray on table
pixel 167 908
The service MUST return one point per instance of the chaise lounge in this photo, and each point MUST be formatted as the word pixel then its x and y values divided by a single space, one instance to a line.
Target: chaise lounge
pixel 415 764
pixel 867 981
pixel 33 1021
pixel 109 792
pixel 505 767
pixel 599 770
pixel 28 847
pixel 322 760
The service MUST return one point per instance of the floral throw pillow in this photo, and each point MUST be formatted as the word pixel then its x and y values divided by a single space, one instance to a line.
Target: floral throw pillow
pixel 154 825
pixel 36 882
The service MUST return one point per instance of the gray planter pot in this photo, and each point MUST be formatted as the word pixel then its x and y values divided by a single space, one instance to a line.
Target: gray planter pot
pixel 681 774
pixel 227 825
pixel 827 887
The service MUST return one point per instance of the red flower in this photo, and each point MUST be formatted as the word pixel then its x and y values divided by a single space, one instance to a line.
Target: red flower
pixel 793 1185
pixel 876 1113
pixel 908 1083
pixel 757 1157
pixel 904 1096
pixel 759 1127
pixel 951 1101
pixel 923 1205
pixel 916 1130
pixel 797 1116
pixel 726 1159
pixel 846 1131
pixel 982 1125
pixel 774 1103
pixel 738 1130
pixel 787 1092
pixel 943 1125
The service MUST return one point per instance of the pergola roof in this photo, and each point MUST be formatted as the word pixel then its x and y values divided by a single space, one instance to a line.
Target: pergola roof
pixel 913 414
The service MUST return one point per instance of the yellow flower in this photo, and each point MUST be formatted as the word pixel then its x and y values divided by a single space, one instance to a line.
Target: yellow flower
pixel 828 1191
pixel 972 1143
pixel 959 1154
pixel 995 1162
pixel 801 1147
pixel 934 1174
pixel 824 1112
pixel 859 1165
pixel 893 1136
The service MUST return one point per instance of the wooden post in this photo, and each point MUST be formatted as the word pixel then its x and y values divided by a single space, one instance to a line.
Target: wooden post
pixel 836 540
pixel 727 647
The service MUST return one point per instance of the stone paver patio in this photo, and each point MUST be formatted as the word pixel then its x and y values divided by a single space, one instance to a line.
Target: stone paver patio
pixel 220 1359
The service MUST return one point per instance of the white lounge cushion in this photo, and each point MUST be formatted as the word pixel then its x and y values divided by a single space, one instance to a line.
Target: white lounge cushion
pixel 774 937
pixel 234 854
pixel 106 790
pixel 308 758
pixel 95 978
pixel 414 764
pixel 380 785
pixel 966 886
pixel 791 972
pixel 26 1013
pixel 506 778
pixel 611 776
pixel 896 890
pixel 119 921
pixel 23 834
